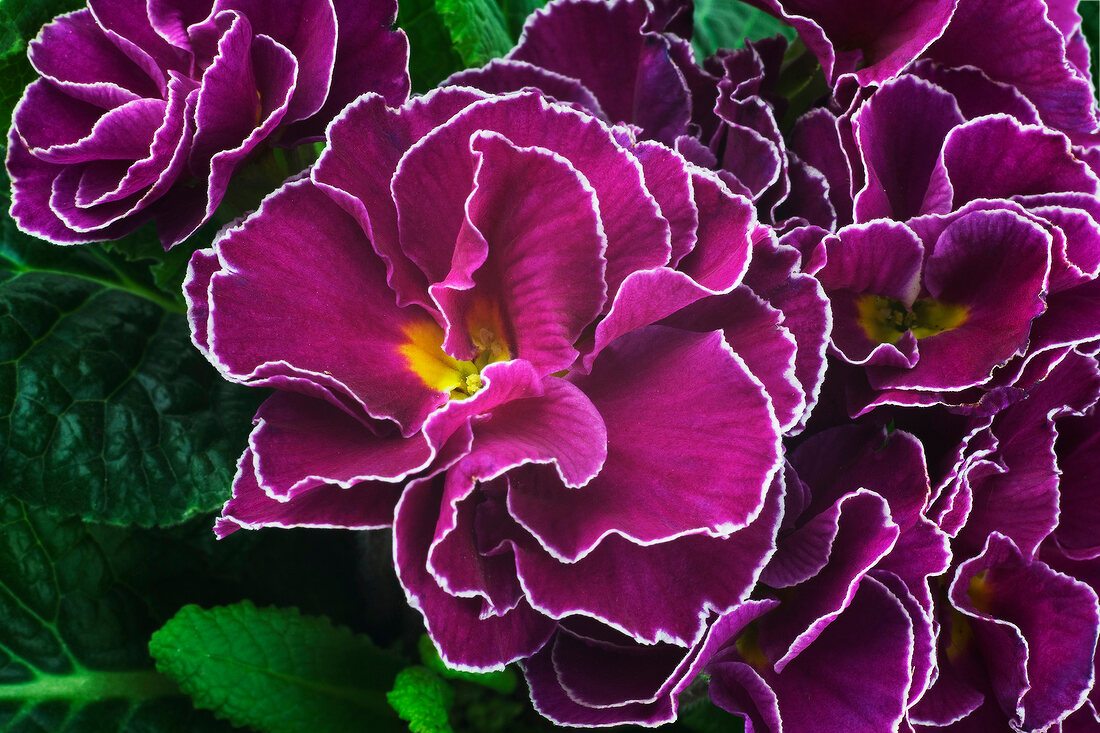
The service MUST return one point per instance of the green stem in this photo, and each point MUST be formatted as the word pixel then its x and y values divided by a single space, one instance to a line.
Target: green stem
pixel 128 284
pixel 88 685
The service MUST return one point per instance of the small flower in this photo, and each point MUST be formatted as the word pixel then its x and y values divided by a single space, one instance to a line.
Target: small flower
pixel 144 113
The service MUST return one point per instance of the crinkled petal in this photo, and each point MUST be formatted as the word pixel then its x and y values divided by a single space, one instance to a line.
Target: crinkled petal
pixel 668 472
pixel 501 76
pixel 464 638
pixel 901 130
pixel 997 157
pixel 1041 670
pixel 74 53
pixel 542 263
pixel 431 206
pixel 358 343
pixel 300 442
pixel 366 141
pixel 859 534
pixel 602 45
pixel 978 35
pixel 369 505
pixel 604 583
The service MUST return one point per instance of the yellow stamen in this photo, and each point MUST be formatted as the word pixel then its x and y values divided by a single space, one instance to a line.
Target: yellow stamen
pixel 885 319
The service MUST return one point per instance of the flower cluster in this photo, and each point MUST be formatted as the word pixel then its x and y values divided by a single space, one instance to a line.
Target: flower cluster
pixel 653 367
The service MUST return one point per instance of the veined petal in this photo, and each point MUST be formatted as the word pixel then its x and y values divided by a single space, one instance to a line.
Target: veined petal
pixel 542 262
pixel 300 442
pixel 668 472
pixel 358 342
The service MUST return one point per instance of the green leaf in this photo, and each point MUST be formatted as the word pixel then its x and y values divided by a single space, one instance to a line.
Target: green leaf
pixel 107 411
pixel 420 697
pixel 73 627
pixel 478 29
pixel 727 23
pixel 516 13
pixel 277 670
pixel 431 58
pixel 503 681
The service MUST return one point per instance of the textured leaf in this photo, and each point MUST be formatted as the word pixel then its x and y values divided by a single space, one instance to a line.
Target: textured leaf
pixel 423 699
pixel 106 409
pixel 727 23
pixel 21 19
pixel 431 58
pixel 277 670
pixel 478 29
pixel 72 635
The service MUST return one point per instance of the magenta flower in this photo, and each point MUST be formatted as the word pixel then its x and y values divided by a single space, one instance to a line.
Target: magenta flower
pixel 840 634
pixel 871 42
pixel 559 408
pixel 941 152
pixel 612 59
pixel 145 110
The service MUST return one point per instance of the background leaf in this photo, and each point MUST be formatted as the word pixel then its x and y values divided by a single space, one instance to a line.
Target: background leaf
pixel 107 411
pixel 238 660
pixel 79 601
pixel 516 12
pixel 431 57
pixel 71 636
pixel 420 697
pixel 727 23
pixel 502 681
pixel 479 32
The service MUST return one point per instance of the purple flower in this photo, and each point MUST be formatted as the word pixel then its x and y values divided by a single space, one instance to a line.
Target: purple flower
pixel 871 42
pixel 840 634
pixel 941 152
pixel 564 411
pixel 612 59
pixel 934 314
pixel 145 110
pixel 1016 647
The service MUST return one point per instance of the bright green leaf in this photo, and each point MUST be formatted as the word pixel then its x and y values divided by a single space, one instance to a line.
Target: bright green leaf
pixel 277 670
pixel 503 681
pixel 72 635
pixel 727 23
pixel 478 29
pixel 431 58
pixel 420 697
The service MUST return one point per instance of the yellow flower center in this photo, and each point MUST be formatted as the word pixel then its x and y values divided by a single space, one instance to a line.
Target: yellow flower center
pixel 423 351
pixel 886 319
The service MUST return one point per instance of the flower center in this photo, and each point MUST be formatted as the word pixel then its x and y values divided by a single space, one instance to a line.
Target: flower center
pixel 439 370
pixel 885 319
